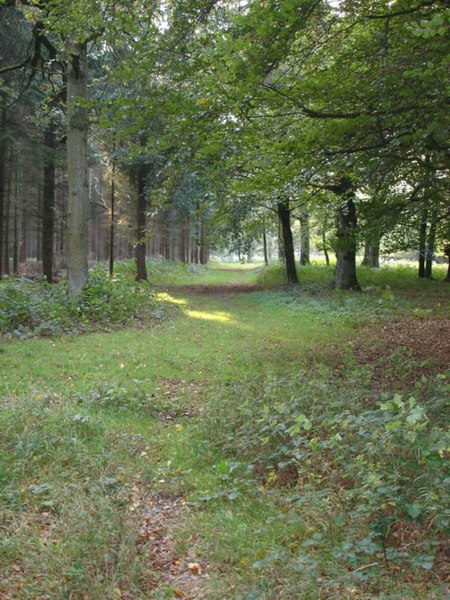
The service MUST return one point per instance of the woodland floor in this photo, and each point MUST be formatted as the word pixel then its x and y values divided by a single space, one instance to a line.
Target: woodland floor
pixel 132 404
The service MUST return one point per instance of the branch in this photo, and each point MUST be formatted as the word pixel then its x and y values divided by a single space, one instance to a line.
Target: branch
pixel 398 13
pixel 314 114
pixel 16 66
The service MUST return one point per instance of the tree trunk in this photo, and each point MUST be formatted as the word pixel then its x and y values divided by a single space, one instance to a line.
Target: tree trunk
pixel 204 251
pixel 429 252
pixel 2 176
pixel 141 269
pixel 447 254
pixel 7 211
pixel 23 249
pixel 76 241
pixel 346 221
pixel 16 219
pixel 304 237
pixel 281 256
pixel 325 251
pixel 284 215
pixel 113 216
pixel 48 203
pixel 422 243
pixel 371 254
pixel 266 257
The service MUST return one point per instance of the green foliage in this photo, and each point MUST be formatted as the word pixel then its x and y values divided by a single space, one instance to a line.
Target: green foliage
pixel 368 469
pixel 28 308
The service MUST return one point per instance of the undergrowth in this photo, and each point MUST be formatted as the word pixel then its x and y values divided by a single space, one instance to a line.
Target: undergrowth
pixel 63 504
pixel 37 308
pixel 320 277
pixel 366 477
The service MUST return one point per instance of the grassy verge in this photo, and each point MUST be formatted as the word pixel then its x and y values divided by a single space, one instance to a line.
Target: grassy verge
pixel 396 277
pixel 299 478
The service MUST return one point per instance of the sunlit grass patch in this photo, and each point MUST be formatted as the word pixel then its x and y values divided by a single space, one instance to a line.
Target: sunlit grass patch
pixel 220 316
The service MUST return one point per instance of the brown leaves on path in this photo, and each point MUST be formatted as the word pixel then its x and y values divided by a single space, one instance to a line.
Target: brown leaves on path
pixel 158 516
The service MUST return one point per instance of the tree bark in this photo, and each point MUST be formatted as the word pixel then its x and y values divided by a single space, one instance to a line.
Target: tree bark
pixel 325 251
pixel 48 203
pixel 113 216
pixel 7 212
pixel 266 257
pixel 204 250
pixel 2 176
pixel 447 254
pixel 422 243
pixel 76 241
pixel 346 222
pixel 371 254
pixel 430 247
pixel 284 215
pixel 16 219
pixel 281 256
pixel 304 237
pixel 141 269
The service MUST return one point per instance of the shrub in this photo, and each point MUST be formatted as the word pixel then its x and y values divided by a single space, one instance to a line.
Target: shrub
pixel 28 308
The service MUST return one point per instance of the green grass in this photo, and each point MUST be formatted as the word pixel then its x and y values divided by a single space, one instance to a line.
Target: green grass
pixel 177 273
pixel 398 277
pixel 85 419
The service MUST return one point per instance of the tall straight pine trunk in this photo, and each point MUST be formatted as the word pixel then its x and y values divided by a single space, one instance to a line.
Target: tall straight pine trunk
pixel 48 203
pixel 2 175
pixel 76 241
pixel 141 269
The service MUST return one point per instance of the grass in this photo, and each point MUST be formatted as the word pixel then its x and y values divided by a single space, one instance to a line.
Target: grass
pixel 401 276
pixel 86 420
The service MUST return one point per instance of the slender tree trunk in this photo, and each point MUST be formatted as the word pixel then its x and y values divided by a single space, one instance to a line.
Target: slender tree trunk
pixel 77 136
pixel 430 247
pixel 204 252
pixel 23 250
pixel 346 222
pixel 2 176
pixel 16 219
pixel 325 251
pixel 48 203
pixel 281 255
pixel 284 215
pixel 183 241
pixel 141 269
pixel 7 213
pixel 422 243
pixel 304 237
pixel 38 225
pixel 266 257
pixel 113 216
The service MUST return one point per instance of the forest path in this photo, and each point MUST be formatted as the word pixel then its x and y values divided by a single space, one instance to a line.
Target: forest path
pixel 132 404
pixel 121 484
